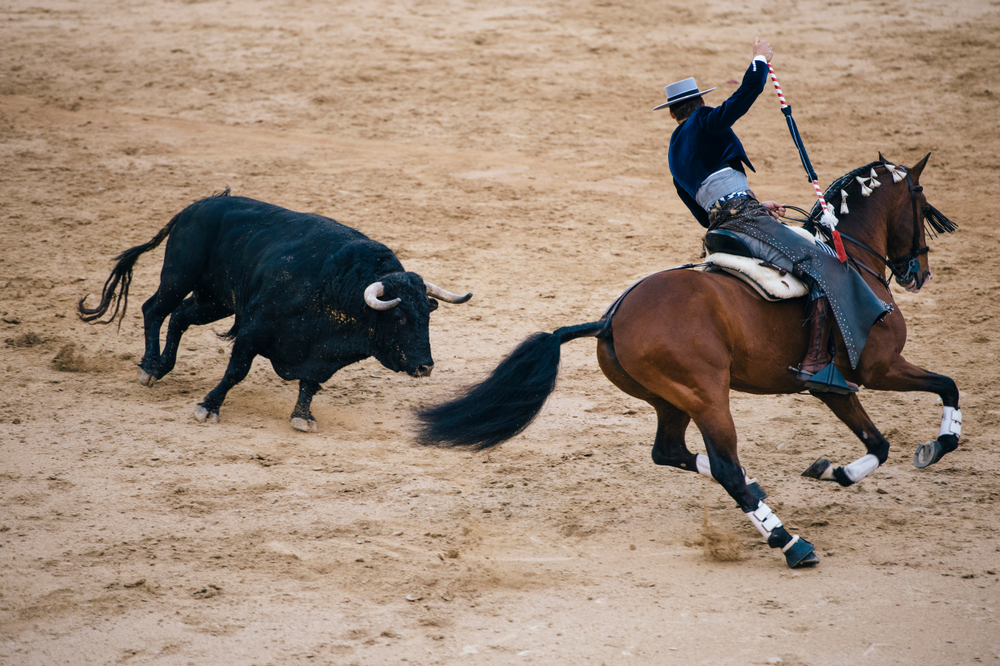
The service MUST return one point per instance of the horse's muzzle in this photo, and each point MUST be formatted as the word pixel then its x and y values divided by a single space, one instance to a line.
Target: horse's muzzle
pixel 916 284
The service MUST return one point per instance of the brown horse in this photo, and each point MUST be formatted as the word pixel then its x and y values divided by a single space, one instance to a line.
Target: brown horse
pixel 682 340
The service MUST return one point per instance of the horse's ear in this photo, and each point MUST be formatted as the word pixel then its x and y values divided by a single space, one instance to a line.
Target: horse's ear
pixel 881 158
pixel 918 167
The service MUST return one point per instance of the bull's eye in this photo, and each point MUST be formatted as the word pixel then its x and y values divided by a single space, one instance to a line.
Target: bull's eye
pixel 401 319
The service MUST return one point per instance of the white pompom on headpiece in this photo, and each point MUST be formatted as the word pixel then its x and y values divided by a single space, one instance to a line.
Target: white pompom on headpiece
pixel 898 173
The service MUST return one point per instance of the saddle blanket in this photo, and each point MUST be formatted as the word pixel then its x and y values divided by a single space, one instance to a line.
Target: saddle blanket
pixel 766 280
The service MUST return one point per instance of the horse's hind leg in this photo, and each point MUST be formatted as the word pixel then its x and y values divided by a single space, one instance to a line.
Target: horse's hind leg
pixel 849 410
pixel 719 433
pixel 669 448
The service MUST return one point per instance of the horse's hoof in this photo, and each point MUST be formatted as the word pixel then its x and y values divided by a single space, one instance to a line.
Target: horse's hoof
pixel 304 425
pixel 809 560
pixel 799 554
pixel 145 378
pixel 202 414
pixel 818 468
pixel 927 454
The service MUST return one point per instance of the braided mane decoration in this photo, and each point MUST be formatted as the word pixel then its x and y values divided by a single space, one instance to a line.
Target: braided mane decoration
pixel 859 179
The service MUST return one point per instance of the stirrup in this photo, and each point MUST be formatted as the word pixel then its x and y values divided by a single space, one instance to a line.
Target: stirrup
pixel 827 380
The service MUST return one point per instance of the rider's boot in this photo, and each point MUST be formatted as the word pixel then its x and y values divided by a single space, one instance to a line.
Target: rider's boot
pixel 817 370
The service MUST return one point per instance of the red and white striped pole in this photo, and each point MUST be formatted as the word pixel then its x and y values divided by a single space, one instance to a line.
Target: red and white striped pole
pixel 828 218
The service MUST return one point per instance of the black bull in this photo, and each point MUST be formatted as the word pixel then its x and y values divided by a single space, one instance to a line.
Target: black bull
pixel 309 294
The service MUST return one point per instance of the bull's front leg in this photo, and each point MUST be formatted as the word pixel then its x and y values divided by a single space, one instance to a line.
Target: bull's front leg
pixel 239 365
pixel 302 418
pixel 849 410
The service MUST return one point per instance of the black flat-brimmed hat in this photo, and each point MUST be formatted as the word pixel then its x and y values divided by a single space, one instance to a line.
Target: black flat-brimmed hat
pixel 680 91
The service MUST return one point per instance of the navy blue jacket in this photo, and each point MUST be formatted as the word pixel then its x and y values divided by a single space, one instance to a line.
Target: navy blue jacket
pixel 705 142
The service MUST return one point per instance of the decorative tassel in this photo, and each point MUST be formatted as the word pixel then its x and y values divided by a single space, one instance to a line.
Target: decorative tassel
pixel 828 219
pixel 898 173
pixel 873 180
pixel 843 202
pixel 865 190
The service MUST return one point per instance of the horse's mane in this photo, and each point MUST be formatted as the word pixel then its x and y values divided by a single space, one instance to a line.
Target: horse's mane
pixel 835 187
pixel 936 221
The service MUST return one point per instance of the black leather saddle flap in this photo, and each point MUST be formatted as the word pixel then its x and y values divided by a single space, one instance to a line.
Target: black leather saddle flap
pixel 722 240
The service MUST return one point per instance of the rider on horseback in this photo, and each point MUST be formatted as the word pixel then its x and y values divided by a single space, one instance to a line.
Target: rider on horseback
pixel 706 162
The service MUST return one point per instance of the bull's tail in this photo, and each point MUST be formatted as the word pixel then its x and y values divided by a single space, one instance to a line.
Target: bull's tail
pixel 115 289
pixel 507 401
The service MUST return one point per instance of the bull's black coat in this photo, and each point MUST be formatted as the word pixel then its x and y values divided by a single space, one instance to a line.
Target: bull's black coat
pixel 295 282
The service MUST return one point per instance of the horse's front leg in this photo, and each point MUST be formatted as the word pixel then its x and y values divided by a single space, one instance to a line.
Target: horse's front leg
pixel 849 410
pixel 904 376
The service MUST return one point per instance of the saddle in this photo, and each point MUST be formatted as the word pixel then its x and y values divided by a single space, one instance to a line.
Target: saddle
pixel 756 263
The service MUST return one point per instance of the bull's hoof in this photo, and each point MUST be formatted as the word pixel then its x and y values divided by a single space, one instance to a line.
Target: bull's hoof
pixel 800 554
pixel 818 469
pixel 203 414
pixel 145 378
pixel 927 454
pixel 304 425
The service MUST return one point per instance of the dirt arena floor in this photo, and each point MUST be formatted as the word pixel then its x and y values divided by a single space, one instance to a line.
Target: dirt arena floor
pixel 506 148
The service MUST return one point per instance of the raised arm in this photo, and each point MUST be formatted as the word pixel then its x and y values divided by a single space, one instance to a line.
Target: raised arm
pixel 723 116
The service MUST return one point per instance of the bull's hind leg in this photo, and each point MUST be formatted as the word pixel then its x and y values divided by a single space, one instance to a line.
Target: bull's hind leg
pixel 719 433
pixel 190 313
pixel 154 311
pixel 849 410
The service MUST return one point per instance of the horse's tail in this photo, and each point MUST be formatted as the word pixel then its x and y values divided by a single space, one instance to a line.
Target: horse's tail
pixel 116 286
pixel 507 401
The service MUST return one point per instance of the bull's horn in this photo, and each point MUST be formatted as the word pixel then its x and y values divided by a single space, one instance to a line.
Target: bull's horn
pixel 372 293
pixel 446 296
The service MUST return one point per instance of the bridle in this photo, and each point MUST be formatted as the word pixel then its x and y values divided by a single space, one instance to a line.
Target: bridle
pixel 905 269
pixel 911 260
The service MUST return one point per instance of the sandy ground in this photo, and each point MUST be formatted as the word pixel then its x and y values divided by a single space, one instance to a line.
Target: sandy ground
pixel 505 148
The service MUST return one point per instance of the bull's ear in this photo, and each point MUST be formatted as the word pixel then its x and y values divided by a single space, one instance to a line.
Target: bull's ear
pixel 434 304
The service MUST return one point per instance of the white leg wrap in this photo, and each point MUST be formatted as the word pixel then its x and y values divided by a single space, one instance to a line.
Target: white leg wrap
pixel 704 467
pixel 951 422
pixel 764 519
pixel 861 467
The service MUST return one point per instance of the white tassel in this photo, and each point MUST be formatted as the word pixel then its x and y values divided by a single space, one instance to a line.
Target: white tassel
pixel 865 190
pixel 898 173
pixel 828 219
pixel 873 181
pixel 843 203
